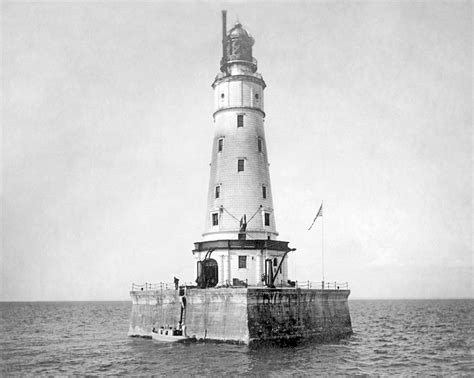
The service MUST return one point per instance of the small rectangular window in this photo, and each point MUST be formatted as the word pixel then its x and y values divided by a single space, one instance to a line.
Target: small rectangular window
pixel 218 191
pixel 220 145
pixel 267 219
pixel 240 120
pixel 264 191
pixel 260 145
pixel 242 262
pixel 240 165
pixel 215 219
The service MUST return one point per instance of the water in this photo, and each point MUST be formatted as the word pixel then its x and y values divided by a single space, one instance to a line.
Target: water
pixel 390 337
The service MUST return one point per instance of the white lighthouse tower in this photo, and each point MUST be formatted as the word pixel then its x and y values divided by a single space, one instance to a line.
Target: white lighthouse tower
pixel 240 246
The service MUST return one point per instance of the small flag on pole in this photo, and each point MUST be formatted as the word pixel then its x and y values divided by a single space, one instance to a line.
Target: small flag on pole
pixel 319 214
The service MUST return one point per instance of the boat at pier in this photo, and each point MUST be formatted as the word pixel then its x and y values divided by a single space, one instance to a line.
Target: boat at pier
pixel 169 334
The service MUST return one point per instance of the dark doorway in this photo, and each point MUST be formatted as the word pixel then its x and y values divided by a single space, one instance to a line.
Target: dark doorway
pixel 208 273
pixel 268 273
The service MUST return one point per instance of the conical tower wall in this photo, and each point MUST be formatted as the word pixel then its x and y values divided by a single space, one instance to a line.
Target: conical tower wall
pixel 239 181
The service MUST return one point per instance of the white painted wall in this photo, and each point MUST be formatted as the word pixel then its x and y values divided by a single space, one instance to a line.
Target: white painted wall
pixel 228 266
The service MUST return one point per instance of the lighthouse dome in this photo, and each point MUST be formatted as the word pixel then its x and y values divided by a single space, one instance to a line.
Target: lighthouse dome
pixel 238 31
pixel 237 46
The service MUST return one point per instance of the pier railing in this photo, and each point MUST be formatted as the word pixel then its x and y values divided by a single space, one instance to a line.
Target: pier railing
pixel 158 286
pixel 322 285
pixel 294 284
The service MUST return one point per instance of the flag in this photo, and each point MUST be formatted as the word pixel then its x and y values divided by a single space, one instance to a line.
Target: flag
pixel 319 214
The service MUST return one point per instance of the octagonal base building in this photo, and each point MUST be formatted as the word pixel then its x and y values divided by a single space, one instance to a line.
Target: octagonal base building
pixel 242 293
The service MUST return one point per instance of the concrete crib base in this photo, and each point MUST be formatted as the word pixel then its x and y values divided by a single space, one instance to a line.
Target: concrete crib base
pixel 244 315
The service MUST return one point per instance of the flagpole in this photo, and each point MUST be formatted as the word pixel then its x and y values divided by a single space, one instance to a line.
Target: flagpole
pixel 320 213
pixel 322 244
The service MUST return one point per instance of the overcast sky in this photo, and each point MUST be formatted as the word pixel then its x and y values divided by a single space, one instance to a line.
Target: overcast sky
pixel 107 129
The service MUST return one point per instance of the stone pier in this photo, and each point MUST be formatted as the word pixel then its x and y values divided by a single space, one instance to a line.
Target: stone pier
pixel 244 315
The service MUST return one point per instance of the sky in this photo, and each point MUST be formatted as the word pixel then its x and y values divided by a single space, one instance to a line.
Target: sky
pixel 107 130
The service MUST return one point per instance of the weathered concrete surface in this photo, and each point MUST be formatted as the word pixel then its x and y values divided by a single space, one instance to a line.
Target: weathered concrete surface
pixel 245 315
pixel 217 314
pixel 298 313
pixel 153 307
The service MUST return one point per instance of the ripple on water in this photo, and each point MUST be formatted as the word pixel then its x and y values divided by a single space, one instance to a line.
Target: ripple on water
pixel 390 337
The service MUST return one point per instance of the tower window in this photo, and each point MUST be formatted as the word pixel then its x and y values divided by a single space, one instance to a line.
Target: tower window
pixel 275 262
pixel 220 145
pixel 260 145
pixel 256 96
pixel 242 262
pixel 215 219
pixel 218 191
pixel 240 120
pixel 267 219
pixel 240 165
pixel 264 191
pixel 222 95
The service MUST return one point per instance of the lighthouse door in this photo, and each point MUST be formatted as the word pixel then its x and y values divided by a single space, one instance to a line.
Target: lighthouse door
pixel 208 273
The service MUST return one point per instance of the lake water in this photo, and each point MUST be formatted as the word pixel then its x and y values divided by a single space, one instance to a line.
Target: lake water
pixel 390 337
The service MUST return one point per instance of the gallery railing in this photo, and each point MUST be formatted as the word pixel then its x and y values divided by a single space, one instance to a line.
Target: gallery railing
pixel 236 283
pixel 158 286
pixel 322 285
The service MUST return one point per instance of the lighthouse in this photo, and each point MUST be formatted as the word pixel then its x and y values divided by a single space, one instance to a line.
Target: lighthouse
pixel 240 245
pixel 241 293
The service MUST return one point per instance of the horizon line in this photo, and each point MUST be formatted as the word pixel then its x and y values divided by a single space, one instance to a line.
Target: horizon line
pixel 129 300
